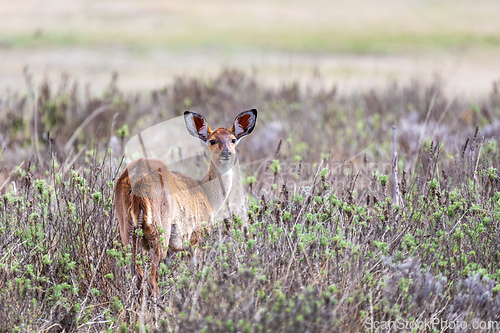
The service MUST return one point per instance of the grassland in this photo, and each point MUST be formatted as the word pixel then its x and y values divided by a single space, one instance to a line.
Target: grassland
pixel 329 246
pixel 350 43
pixel 319 26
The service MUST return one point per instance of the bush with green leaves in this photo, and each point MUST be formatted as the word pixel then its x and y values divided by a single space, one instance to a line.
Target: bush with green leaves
pixel 327 246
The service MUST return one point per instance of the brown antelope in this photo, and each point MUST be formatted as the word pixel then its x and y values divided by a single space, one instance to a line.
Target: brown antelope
pixel 169 207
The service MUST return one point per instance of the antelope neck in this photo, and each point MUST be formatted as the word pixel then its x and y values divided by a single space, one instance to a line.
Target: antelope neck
pixel 217 186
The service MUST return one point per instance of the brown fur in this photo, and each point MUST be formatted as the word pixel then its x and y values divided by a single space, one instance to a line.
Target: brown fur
pixel 161 196
pixel 171 208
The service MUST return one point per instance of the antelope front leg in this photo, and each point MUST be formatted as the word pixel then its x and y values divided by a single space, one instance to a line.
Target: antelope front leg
pixel 139 274
pixel 155 253
pixel 194 250
pixel 152 237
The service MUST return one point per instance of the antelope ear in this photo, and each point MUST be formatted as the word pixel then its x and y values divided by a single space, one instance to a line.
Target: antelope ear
pixel 244 123
pixel 197 125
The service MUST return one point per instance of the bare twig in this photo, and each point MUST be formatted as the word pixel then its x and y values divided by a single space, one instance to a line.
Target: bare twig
pixel 446 109
pixel 424 129
pixel 96 269
pixel 75 158
pixel 477 161
pixel 397 196
pixel 5 183
pixel 94 114
pixel 35 111
pixel 309 193
pixel 10 177
pixel 200 285
pixel 357 175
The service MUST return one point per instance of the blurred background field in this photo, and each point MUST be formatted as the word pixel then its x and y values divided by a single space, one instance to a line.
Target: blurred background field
pixel 352 44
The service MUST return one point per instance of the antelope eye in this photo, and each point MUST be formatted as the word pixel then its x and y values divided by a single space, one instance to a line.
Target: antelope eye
pixel 212 142
pixel 233 140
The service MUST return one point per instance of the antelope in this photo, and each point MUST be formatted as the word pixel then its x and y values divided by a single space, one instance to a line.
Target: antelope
pixel 170 208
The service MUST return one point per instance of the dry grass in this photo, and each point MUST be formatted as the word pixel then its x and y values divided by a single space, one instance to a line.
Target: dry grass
pixel 317 25
pixel 149 42
pixel 327 249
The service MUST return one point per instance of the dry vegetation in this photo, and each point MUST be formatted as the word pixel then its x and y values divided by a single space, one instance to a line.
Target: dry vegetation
pixel 327 248
pixel 353 43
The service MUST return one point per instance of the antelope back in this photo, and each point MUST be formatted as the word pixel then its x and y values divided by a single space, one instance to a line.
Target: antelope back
pixel 149 195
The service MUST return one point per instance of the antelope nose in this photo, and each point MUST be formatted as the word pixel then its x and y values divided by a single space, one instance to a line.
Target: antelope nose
pixel 225 153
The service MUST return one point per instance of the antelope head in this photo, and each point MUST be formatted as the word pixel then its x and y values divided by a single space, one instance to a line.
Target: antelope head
pixel 221 143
